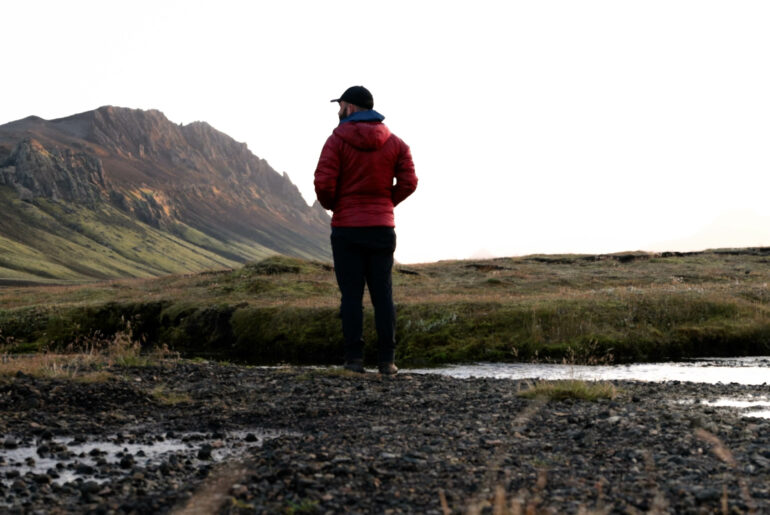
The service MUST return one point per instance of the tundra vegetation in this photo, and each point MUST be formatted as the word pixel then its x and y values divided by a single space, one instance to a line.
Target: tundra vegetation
pixel 574 308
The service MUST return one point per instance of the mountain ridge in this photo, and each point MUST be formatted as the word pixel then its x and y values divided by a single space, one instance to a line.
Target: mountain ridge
pixel 192 182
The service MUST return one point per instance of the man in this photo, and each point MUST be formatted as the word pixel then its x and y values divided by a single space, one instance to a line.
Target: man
pixel 364 171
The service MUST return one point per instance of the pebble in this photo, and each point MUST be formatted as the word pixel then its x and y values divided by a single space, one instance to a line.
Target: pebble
pixel 84 469
pixel 204 453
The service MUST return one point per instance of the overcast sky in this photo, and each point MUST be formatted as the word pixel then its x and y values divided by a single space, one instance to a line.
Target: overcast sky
pixel 536 127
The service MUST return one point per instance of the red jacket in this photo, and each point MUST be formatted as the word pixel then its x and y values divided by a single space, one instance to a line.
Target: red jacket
pixel 356 171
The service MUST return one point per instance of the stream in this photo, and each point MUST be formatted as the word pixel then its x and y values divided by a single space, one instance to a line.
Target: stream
pixel 744 370
pixel 748 370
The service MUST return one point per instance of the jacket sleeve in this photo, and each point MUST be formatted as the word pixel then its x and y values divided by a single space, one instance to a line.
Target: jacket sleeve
pixel 406 179
pixel 326 174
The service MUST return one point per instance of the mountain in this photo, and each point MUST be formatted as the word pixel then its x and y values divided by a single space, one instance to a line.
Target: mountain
pixel 120 192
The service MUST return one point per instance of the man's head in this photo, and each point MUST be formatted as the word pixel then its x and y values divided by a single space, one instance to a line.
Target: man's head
pixel 355 98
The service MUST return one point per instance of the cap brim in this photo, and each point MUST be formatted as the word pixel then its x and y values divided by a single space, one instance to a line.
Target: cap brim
pixel 336 100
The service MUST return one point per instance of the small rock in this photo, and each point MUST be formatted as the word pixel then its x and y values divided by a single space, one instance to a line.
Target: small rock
pixel 708 494
pixel 761 461
pixel 84 469
pixel 42 479
pixel 90 487
pixel 18 486
pixel 204 453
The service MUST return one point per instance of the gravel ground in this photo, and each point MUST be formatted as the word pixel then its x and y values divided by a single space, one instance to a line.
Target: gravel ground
pixel 186 438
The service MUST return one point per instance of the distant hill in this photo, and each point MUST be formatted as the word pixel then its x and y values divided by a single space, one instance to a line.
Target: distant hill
pixel 120 192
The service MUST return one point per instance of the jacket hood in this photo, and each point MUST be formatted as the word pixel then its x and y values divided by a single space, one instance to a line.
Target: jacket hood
pixel 364 130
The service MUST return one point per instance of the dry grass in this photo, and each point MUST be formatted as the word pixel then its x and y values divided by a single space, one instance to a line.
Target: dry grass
pixel 721 451
pixel 79 367
pixel 85 360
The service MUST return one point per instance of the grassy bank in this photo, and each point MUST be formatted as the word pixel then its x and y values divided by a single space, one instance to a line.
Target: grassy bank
pixel 625 307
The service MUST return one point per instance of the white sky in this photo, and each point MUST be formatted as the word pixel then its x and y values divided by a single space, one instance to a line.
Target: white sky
pixel 536 127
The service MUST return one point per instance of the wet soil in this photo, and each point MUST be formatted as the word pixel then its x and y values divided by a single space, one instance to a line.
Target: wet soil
pixel 370 444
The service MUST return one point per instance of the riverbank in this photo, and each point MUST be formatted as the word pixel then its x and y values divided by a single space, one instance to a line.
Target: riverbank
pixel 588 309
pixel 411 444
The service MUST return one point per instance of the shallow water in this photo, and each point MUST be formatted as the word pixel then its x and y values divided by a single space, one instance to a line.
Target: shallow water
pixel 749 371
pixel 63 467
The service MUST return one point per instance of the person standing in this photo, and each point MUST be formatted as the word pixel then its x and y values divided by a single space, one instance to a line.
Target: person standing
pixel 364 171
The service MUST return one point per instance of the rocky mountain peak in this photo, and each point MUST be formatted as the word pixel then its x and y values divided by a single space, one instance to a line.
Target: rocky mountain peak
pixel 57 173
pixel 163 174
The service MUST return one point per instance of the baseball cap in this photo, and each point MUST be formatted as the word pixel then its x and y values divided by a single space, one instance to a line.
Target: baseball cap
pixel 357 95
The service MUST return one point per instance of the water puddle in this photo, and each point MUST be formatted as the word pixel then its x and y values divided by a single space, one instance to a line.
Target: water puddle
pixel 739 403
pixel 748 406
pixel 748 371
pixel 64 460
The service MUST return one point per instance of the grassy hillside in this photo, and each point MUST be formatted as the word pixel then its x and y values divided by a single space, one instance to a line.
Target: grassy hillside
pixel 576 308
pixel 48 241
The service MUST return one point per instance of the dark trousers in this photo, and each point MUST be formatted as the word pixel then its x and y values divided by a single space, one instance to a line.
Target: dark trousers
pixel 364 255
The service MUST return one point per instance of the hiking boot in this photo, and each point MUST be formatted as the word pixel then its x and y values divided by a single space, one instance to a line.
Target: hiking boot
pixel 354 365
pixel 388 369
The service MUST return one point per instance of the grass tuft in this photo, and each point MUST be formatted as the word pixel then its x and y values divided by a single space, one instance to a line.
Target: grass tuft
pixel 571 389
pixel 164 395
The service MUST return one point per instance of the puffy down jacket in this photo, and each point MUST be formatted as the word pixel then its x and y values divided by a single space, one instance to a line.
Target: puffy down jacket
pixel 364 171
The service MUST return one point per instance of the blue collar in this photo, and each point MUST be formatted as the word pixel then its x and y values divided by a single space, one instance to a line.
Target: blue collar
pixel 363 116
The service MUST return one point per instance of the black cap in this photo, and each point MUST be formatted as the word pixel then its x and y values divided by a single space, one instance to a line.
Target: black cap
pixel 358 96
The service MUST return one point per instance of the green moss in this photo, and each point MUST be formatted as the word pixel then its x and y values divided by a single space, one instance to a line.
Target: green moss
pixel 286 335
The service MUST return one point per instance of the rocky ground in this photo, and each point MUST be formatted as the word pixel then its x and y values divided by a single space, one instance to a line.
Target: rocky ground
pixel 185 438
